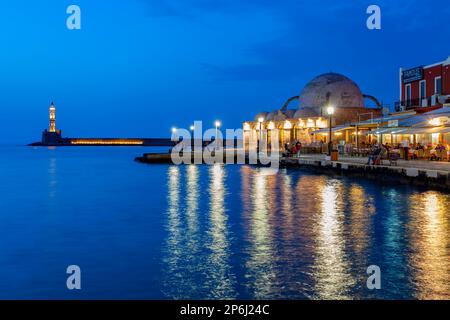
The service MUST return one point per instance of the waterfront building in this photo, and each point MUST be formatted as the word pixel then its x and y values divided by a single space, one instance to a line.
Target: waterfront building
pixel 308 121
pixel 424 88
pixel 355 126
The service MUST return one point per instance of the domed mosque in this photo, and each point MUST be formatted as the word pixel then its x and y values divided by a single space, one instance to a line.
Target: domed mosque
pixel 309 121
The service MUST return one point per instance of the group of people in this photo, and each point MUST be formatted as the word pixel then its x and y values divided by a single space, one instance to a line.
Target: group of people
pixel 293 148
pixel 376 153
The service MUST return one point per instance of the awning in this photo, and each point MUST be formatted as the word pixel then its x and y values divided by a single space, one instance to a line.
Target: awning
pixel 427 130
pixel 413 130
pixel 335 129
pixel 389 131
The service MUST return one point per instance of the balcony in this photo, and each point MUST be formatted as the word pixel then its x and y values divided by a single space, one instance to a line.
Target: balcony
pixel 416 103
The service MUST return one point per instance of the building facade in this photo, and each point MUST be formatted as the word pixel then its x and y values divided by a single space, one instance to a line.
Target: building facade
pixel 309 121
pixel 424 88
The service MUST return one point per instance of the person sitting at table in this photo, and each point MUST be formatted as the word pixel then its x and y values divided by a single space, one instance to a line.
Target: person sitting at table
pixel 440 147
pixel 420 146
pixel 373 154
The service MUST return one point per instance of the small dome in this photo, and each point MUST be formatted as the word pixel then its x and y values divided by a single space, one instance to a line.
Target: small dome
pixel 271 115
pixel 289 113
pixel 331 88
pixel 276 115
pixel 261 115
pixel 306 113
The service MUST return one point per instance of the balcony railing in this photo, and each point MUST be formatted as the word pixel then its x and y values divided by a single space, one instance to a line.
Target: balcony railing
pixel 414 103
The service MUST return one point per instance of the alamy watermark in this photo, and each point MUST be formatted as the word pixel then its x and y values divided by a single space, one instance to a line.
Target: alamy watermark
pixel 374 279
pixel 196 146
pixel 74 280
pixel 374 20
pixel 73 22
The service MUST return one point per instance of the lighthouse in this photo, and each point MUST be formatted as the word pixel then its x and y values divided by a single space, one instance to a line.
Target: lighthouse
pixel 52 136
pixel 52 113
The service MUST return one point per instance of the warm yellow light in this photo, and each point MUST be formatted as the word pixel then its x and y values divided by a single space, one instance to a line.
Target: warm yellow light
pixel 260 119
pixel 287 124
pixel 434 122
pixel 106 142
pixel 271 125
pixel 247 127
pixel 338 133
pixel 330 110
pixel 310 123
pixel 301 123
pixel 321 123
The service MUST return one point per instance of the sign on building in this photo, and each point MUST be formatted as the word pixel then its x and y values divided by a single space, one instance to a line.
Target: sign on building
pixel 393 123
pixel 411 75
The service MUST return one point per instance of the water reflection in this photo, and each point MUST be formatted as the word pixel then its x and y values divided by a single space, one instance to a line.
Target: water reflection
pixel 429 241
pixel 192 199
pixel 174 251
pixel 294 235
pixel 52 175
pixel 260 264
pixel 362 208
pixel 220 279
pixel 333 280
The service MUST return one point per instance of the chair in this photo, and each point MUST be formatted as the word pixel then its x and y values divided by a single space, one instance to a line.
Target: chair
pixel 420 154
pixel 441 155
pixel 393 158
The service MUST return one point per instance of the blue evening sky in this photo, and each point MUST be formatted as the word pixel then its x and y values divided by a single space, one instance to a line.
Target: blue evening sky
pixel 139 67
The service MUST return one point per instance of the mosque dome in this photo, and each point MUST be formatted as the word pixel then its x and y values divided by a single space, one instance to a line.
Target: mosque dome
pixel 331 89
pixel 261 115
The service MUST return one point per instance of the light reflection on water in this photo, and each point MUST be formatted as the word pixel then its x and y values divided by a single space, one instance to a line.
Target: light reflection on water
pixel 243 232
pixel 429 237
pixel 200 232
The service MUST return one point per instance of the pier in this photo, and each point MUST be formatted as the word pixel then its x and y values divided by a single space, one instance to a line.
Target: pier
pixel 430 174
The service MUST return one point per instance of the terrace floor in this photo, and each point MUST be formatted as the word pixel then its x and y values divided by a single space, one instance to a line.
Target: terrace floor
pixel 416 164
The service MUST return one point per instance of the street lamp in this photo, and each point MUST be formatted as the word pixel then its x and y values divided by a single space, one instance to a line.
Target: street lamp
pixel 217 124
pixel 260 121
pixel 330 111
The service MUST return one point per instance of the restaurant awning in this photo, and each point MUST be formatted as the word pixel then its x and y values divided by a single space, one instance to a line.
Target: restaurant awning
pixel 394 130
pixel 427 130
pixel 412 130
pixel 335 129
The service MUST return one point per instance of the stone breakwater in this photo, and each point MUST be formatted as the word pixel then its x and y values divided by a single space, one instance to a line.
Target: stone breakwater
pixel 429 178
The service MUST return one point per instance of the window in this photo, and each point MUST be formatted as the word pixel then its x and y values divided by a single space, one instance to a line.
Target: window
pixel 422 90
pixel 437 85
pixel 408 95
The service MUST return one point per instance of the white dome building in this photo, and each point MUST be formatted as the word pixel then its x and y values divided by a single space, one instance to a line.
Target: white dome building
pixel 331 89
pixel 309 119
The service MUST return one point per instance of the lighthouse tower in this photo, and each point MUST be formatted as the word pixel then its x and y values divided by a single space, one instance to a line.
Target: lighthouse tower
pixel 51 136
pixel 52 112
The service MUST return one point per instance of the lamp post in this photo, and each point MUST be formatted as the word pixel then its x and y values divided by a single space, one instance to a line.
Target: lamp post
pixel 192 128
pixel 330 111
pixel 260 121
pixel 217 124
